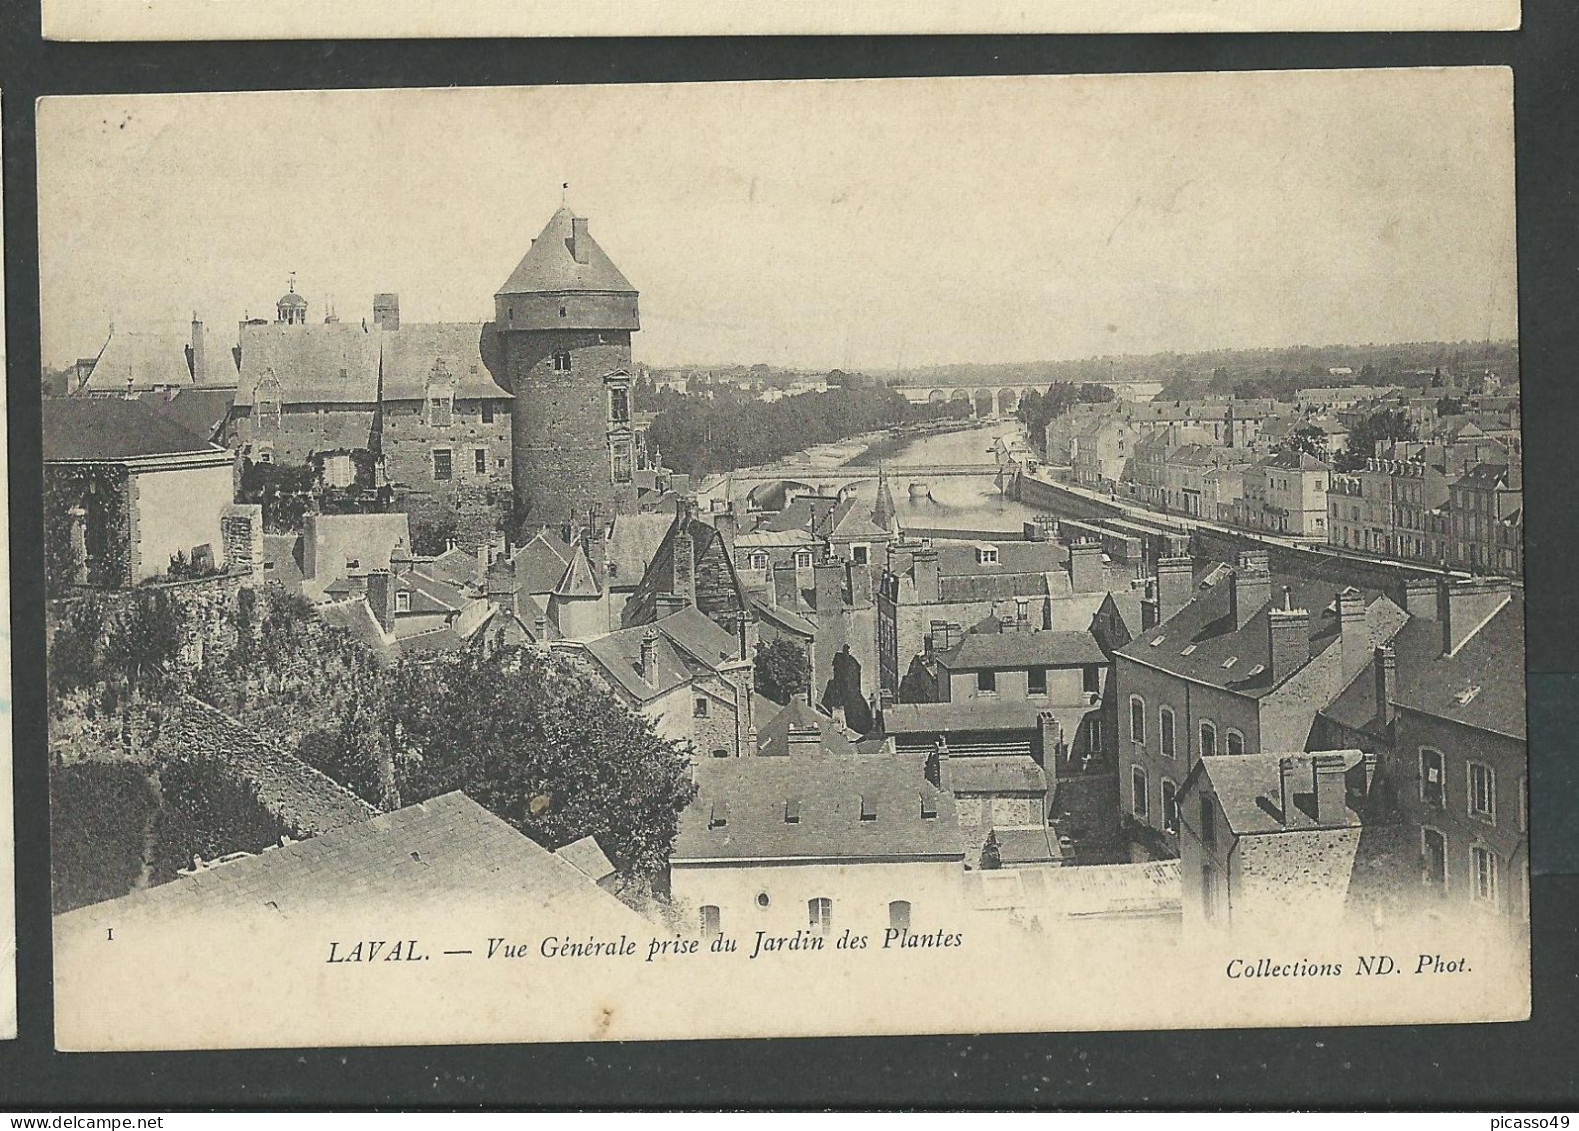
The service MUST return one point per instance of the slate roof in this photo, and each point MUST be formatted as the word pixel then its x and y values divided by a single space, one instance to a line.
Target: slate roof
pixel 540 563
pixel 697 637
pixel 1249 789
pixel 87 429
pixel 578 579
pixel 1205 626
pixel 370 539
pixel 308 802
pixel 1022 650
pixel 356 617
pixel 587 858
pixel 999 773
pixel 441 851
pixel 1026 844
pixel 972 714
pixel 830 792
pixel 1491 660
pixel 633 540
pixel 549 267
pixel 341 362
pixel 201 411
pixel 618 656
pixel 773 735
pixel 143 359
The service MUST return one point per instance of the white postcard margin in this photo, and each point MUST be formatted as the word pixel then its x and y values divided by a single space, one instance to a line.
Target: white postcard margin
pixel 96 20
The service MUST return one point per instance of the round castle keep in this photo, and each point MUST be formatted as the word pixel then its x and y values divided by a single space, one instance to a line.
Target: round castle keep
pixel 565 319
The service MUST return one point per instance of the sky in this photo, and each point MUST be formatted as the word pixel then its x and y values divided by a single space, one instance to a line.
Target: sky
pixel 856 224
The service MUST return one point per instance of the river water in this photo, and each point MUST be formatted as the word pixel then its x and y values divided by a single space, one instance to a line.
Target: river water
pixel 956 502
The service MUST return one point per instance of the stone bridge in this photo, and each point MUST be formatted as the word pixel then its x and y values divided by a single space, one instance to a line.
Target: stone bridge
pixel 831 479
pixel 986 401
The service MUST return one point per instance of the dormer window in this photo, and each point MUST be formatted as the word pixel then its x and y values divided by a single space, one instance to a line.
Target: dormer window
pixel 792 811
pixel 402 602
pixel 929 807
pixel 868 808
pixel 986 555
pixel 619 405
pixel 719 817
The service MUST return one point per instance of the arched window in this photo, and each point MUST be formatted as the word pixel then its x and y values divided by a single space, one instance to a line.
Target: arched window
pixel 1165 729
pixel 1170 807
pixel 1137 719
pixel 1208 739
pixel 1236 742
pixel 899 914
pixel 711 922
pixel 561 361
pixel 820 911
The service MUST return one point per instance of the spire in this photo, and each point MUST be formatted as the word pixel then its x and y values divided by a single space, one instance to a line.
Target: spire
pixel 578 579
pixel 884 514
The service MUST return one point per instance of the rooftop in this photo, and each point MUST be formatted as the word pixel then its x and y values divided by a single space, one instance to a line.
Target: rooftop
pixel 550 267
pixel 809 810
pixel 1051 649
pixel 91 429
pixel 1249 789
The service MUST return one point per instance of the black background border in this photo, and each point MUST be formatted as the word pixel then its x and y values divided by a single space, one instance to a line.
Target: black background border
pixel 1508 1067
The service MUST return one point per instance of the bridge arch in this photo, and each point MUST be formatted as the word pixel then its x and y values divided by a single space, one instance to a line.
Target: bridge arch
pixel 937 396
pixel 1008 401
pixel 960 395
pixel 982 398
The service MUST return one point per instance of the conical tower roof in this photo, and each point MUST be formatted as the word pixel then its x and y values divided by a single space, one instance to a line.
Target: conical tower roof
pixel 578 579
pixel 564 259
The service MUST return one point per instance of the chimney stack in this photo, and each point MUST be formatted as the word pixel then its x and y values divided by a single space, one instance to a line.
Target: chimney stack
pixel 1085 568
pixel 1354 634
pixel 743 633
pixel 647 665
pixel 386 311
pixel 1249 587
pixel 1386 661
pixel 1330 782
pixel 683 558
pixel 199 353
pixel 1288 645
pixel 1464 604
pixel 381 599
pixel 1175 586
pixel 928 579
pixel 830 586
pixel 1287 774
pixel 580 242
pixel 785 595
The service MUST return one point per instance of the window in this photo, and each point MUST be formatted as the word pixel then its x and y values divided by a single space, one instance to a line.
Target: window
pixel 1482 791
pixel 561 361
pixel 1165 730
pixel 1433 790
pixel 710 922
pixel 699 708
pixel 987 680
pixel 1208 739
pixel 802 559
pixel 620 405
pixel 1483 873
pixel 439 411
pixel 1139 803
pixel 442 468
pixel 1208 822
pixel 1036 681
pixel 1091 679
pixel 480 461
pixel 720 752
pixel 487 412
pixel 1434 847
pixel 1094 734
pixel 758 559
pixel 621 462
pixel 899 915
pixel 820 911
pixel 986 555
pixel 929 807
pixel 1137 719
pixel 792 811
pixel 1236 742
pixel 338 471
pixel 402 602
pixel 860 555
pixel 868 808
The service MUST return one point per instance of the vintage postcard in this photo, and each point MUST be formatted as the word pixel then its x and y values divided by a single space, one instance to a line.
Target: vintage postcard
pixel 900 556
pixel 425 19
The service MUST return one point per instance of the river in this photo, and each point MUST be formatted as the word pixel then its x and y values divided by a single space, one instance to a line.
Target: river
pixel 956 502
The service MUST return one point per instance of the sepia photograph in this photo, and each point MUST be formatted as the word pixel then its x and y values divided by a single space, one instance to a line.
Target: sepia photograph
pixel 100 20
pixel 783 559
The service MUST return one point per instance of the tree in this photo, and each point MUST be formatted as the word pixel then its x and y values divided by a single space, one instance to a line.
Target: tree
pixel 1450 406
pixel 143 639
pixel 1387 425
pixel 206 812
pixel 782 669
pixel 1306 438
pixel 542 744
